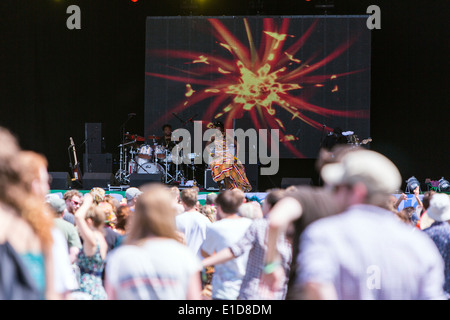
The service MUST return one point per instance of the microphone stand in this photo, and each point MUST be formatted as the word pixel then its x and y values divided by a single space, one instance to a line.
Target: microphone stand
pixel 183 123
pixel 122 172
pixel 176 116
pixel 321 140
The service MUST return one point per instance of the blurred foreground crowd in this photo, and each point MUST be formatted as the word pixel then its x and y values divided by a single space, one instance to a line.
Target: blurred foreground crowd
pixel 345 240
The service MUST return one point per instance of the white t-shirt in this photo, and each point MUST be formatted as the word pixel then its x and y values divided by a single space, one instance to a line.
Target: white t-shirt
pixel 227 278
pixel 160 269
pixel 193 225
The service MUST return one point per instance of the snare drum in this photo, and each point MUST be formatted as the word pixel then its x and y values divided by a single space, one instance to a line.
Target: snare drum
pixel 145 152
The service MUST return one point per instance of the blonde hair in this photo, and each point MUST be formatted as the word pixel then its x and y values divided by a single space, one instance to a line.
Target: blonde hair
pixel 209 211
pixel 189 197
pixel 112 201
pixel 97 215
pixel 98 194
pixel 115 204
pixel 154 215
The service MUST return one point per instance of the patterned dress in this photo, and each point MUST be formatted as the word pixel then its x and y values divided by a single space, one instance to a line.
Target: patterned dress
pixel 226 167
pixel 91 269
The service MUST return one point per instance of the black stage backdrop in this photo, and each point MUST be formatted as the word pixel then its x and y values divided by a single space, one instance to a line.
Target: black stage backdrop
pixel 301 75
pixel 54 80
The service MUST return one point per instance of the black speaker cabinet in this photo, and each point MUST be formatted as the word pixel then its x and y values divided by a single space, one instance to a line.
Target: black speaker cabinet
pixel 210 184
pixel 97 162
pixel 139 179
pixel 286 182
pixel 97 179
pixel 60 180
pixel 93 136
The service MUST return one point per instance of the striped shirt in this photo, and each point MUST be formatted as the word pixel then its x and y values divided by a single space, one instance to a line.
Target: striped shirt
pixel 255 242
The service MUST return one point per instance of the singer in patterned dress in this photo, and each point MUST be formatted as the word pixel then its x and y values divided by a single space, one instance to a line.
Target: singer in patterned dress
pixel 226 169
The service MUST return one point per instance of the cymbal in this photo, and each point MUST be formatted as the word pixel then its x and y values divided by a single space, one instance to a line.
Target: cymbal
pixel 134 137
pixel 153 137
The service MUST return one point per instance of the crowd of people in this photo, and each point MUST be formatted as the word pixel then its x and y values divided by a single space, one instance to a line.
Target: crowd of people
pixel 344 240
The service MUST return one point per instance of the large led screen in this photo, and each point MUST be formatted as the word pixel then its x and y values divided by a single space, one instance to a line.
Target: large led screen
pixel 301 75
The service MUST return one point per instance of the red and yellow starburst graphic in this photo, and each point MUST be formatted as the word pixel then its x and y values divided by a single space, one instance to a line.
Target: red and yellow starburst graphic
pixel 266 82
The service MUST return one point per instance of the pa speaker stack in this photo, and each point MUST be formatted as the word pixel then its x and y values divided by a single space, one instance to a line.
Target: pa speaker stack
pixel 97 179
pixel 60 180
pixel 137 179
pixel 93 158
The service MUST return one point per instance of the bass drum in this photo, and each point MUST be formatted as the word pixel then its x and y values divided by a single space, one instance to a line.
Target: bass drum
pixel 149 168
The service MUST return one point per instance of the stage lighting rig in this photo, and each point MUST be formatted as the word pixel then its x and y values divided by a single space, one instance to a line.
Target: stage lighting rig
pixel 189 7
pixel 256 6
pixel 325 6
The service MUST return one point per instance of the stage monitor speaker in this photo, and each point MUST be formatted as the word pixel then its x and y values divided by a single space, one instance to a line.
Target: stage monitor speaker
pixel 139 179
pixel 101 162
pixel 210 184
pixel 93 136
pixel 287 182
pixel 97 179
pixel 60 180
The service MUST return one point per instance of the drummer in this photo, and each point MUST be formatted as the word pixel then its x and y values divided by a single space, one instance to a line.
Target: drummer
pixel 166 139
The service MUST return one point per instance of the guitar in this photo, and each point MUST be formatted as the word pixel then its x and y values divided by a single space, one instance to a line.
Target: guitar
pixel 76 172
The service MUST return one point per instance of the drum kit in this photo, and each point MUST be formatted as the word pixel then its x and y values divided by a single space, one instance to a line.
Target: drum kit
pixel 138 157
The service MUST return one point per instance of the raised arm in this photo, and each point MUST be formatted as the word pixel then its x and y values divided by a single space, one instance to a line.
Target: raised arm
pixel 243 245
pixel 399 200
pixel 86 233
pixel 281 215
pixel 220 257
pixel 416 194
